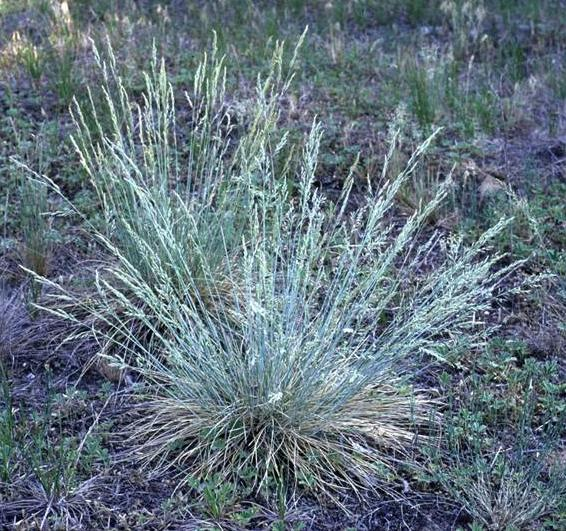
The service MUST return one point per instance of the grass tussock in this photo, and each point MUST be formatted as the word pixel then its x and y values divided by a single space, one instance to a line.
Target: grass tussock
pixel 274 335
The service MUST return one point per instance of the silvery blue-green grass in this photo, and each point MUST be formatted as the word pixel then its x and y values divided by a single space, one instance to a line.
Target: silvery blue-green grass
pixel 270 332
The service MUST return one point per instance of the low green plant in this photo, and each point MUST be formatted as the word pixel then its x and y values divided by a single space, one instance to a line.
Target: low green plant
pixel 532 234
pixel 32 221
pixel 218 495
pixel 64 78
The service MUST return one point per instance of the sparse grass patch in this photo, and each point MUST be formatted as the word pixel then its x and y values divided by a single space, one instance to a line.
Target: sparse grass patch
pixel 502 434
pixel 46 474
pixel 535 232
pixel 505 491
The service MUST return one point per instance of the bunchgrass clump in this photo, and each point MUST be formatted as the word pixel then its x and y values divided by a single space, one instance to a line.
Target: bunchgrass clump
pixel 46 473
pixel 275 337
pixel 333 312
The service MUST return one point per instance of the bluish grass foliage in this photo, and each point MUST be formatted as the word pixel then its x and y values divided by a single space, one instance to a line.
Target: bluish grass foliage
pixel 174 203
pixel 272 334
